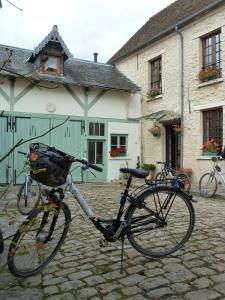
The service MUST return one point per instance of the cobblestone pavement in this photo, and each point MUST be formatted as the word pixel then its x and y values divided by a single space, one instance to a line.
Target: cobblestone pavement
pixel 83 270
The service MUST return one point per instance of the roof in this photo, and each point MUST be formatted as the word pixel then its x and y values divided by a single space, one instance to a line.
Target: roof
pixel 53 36
pixel 179 13
pixel 76 72
pixel 164 116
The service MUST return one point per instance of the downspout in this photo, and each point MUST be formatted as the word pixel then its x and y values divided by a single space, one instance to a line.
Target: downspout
pixel 181 95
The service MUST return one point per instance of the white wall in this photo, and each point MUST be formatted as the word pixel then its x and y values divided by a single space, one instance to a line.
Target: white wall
pixel 134 146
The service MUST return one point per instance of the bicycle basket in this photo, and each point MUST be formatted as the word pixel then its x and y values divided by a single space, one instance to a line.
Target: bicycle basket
pixel 49 165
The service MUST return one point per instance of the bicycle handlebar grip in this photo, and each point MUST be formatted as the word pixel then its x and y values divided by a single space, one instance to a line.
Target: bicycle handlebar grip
pixel 99 169
pixel 21 152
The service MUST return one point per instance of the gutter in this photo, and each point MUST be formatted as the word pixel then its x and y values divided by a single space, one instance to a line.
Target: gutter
pixel 181 94
pixel 165 32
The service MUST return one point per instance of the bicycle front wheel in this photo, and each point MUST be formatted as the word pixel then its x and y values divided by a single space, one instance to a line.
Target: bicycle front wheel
pixel 38 239
pixel 208 185
pixel 185 184
pixel 28 197
pixel 163 224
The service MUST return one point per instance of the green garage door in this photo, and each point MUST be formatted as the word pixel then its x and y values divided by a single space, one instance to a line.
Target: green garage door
pixel 69 139
pixel 5 145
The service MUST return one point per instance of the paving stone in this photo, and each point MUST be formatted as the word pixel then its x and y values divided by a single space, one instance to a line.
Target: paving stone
pixel 54 281
pixel 50 290
pixel 202 283
pixel 106 288
pixel 94 280
pixel 180 287
pixel 203 294
pixel 86 293
pixel 63 296
pixel 180 276
pixel 152 283
pixel 114 275
pixel 70 285
pixel 79 275
pixel 135 269
pixel 203 271
pixel 21 294
pixel 132 280
pixel 112 296
pixel 159 293
pixel 131 290
pixel 220 288
pixel 218 278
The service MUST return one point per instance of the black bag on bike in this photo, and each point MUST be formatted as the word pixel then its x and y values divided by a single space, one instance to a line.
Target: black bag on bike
pixel 223 153
pixel 49 165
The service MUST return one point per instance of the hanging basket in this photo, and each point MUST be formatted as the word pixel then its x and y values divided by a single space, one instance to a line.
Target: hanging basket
pixel 155 131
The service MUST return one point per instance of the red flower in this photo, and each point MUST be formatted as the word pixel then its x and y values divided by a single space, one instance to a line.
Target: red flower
pixel 211 146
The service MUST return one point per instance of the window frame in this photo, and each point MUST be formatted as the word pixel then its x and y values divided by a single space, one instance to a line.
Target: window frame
pixel 100 124
pixel 155 80
pixel 216 131
pixel 118 144
pixel 58 70
pixel 213 54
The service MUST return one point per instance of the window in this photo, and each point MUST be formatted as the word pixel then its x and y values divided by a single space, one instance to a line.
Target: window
pixel 97 129
pixel 213 125
pixel 118 145
pixel 212 52
pixel 156 74
pixel 95 152
pixel 51 65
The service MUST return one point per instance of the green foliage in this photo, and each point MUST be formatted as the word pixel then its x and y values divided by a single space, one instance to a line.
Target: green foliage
pixel 149 167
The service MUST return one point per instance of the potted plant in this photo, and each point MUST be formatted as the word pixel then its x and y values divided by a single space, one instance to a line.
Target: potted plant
pixel 151 169
pixel 155 131
pixel 209 73
pixel 210 148
pixel 154 92
pixel 177 129
pixel 119 151
pixel 187 171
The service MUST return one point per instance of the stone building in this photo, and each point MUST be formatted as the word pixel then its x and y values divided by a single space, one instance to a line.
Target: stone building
pixel 178 59
pixel 41 88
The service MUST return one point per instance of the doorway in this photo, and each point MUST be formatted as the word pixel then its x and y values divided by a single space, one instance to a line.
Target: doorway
pixel 173 146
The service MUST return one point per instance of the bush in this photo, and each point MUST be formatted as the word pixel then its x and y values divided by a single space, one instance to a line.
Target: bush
pixel 149 167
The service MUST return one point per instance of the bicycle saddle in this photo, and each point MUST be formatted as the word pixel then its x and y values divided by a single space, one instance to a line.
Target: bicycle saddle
pixel 135 172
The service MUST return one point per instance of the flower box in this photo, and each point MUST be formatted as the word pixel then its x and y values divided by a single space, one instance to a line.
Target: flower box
pixel 153 93
pixel 209 153
pixel 209 73
pixel 211 148
pixel 118 152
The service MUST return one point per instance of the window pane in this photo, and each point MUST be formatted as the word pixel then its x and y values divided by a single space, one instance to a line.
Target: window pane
pixel 122 141
pixel 91 152
pixel 99 153
pixel 213 124
pixel 97 129
pixel 114 140
pixel 91 128
pixel 102 129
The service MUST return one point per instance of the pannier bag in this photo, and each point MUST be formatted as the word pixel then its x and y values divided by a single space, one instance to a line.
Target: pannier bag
pixel 49 165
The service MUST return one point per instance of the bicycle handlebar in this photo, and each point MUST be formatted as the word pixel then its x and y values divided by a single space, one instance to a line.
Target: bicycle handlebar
pixel 92 166
pixel 23 153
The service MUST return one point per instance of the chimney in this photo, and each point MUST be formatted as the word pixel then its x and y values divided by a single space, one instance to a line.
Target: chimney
pixel 95 57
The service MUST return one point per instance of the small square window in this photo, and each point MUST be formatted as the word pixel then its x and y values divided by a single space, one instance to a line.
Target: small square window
pixel 96 129
pixel 118 145
pixel 51 65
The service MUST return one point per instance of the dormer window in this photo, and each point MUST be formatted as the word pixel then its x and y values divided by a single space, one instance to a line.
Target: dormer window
pixel 51 65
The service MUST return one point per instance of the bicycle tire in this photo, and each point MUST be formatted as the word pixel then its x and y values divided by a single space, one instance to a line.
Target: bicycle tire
pixel 209 189
pixel 185 182
pixel 33 237
pixel 159 176
pixel 25 204
pixel 147 234
pixel 1 242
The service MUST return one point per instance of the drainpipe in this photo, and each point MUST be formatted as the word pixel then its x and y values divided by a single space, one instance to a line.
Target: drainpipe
pixel 181 93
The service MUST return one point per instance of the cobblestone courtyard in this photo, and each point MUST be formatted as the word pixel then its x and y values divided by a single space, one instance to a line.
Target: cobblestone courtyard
pixel 83 270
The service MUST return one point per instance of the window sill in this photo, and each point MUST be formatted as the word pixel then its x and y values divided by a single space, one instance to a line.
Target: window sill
pixel 120 158
pixel 204 157
pixel 210 82
pixel 154 98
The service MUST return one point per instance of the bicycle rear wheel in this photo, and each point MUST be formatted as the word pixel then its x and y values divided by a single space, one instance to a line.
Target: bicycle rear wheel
pixel 208 185
pixel 163 224
pixel 159 176
pixel 38 239
pixel 185 184
pixel 1 242
pixel 28 197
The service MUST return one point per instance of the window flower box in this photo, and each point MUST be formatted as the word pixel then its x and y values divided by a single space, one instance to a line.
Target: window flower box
pixel 209 73
pixel 118 152
pixel 154 92
pixel 210 148
pixel 209 153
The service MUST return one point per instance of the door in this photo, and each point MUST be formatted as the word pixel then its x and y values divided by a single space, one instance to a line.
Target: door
pixel 173 145
pixel 69 139
pixel 96 155
pixel 5 146
pixel 25 128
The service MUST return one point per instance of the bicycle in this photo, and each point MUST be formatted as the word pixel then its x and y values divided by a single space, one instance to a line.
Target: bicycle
pixel 156 218
pixel 208 182
pixel 29 194
pixel 1 242
pixel 168 172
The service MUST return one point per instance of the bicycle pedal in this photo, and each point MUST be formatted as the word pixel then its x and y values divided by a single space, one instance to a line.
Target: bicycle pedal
pixel 219 182
pixel 103 243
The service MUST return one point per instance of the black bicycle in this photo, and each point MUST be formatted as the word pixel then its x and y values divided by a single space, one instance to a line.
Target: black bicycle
pixel 167 173
pixel 156 218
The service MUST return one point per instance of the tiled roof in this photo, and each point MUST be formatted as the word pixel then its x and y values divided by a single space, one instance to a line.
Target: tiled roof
pixel 76 72
pixel 179 13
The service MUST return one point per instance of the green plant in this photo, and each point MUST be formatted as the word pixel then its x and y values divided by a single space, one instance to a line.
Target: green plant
pixel 155 131
pixel 154 92
pixel 209 73
pixel 149 167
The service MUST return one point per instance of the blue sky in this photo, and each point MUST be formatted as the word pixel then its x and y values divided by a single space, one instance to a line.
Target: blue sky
pixel 86 26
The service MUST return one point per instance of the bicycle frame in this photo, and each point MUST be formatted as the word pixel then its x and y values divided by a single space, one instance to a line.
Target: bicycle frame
pixel 217 170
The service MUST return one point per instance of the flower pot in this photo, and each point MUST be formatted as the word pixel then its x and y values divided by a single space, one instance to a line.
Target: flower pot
pixel 209 153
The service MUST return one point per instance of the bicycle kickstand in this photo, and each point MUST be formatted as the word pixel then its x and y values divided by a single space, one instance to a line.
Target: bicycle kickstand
pixel 122 252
